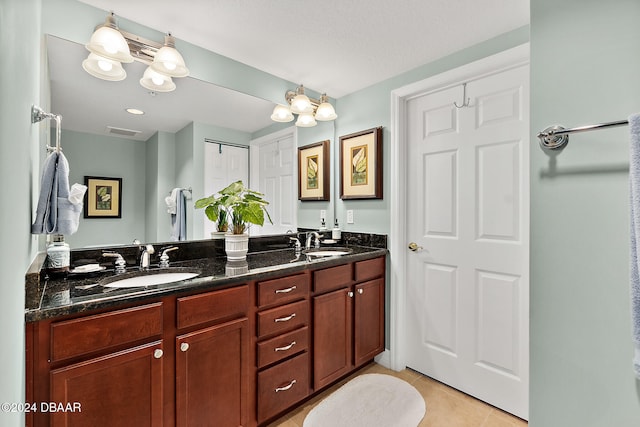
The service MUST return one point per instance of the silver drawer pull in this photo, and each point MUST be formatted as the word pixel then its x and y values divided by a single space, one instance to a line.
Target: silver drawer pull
pixel 157 353
pixel 286 347
pixel 286 290
pixel 285 319
pixel 287 387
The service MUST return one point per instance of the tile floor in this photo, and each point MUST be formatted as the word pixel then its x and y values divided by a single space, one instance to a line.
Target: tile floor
pixel 446 407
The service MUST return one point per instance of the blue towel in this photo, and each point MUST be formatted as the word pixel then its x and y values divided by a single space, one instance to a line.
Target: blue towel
pixel 634 181
pixel 179 218
pixel 55 214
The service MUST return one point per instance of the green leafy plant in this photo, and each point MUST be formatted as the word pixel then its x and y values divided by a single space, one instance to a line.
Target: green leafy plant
pixel 241 204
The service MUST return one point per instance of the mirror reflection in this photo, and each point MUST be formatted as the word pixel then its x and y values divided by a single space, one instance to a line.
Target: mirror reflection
pixel 152 152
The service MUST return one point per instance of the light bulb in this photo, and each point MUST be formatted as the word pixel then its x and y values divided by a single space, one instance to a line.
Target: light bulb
pixel 170 66
pixel 105 65
pixel 157 79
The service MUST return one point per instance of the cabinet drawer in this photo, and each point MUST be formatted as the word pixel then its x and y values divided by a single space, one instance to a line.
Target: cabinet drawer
pixel 203 308
pixel 332 278
pixel 281 319
pixel 283 290
pixel 101 332
pixel 370 269
pixel 282 346
pixel 282 386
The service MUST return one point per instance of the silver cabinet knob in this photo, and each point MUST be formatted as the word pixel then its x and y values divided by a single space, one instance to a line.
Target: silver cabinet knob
pixel 158 353
pixel 184 346
pixel 360 291
pixel 350 294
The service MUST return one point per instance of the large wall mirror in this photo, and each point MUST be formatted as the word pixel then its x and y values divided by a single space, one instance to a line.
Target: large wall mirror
pixel 152 152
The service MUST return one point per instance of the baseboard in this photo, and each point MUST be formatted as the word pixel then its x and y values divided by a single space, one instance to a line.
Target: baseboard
pixel 384 358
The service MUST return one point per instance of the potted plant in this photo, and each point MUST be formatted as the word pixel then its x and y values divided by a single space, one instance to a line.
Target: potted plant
pixel 243 206
pixel 222 225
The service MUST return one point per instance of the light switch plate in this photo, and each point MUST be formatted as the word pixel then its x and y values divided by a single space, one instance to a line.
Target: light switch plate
pixel 350 216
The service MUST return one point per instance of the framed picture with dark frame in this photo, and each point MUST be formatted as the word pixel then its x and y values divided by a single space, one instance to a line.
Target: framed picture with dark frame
pixel 361 165
pixel 103 198
pixel 314 172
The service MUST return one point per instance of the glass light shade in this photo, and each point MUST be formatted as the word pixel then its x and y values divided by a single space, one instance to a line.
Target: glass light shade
pixel 281 114
pixel 109 43
pixel 169 61
pixel 157 82
pixel 301 104
pixel 325 112
pixel 306 120
pixel 104 68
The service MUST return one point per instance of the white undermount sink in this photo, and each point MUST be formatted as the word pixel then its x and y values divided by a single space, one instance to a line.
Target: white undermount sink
pixel 151 279
pixel 326 252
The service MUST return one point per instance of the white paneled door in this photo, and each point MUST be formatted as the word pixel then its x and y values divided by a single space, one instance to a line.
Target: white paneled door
pixel 223 164
pixel 276 179
pixel 468 238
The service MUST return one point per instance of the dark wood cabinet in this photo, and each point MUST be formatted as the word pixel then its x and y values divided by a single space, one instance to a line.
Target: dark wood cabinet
pixel 332 322
pixel 234 357
pixel 123 388
pixel 212 377
pixel 348 323
pixel 368 327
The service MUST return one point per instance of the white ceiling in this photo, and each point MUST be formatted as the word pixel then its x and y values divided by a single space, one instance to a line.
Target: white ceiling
pixel 332 46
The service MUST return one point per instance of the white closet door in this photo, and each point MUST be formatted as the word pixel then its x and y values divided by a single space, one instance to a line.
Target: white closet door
pixel 275 176
pixel 223 165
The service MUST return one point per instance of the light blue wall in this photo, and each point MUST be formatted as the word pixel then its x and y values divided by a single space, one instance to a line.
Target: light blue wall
pixel 585 64
pixel 105 156
pixel 20 74
pixel 160 180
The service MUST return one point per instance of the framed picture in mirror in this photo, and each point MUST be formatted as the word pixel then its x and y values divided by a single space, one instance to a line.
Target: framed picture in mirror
pixel 103 198
pixel 313 171
pixel 361 165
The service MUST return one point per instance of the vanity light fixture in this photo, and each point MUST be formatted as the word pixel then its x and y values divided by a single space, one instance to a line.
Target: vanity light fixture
pixel 308 109
pixel 110 46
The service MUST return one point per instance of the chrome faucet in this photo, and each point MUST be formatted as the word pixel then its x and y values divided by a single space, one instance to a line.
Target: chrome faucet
pixel 296 243
pixel 145 256
pixel 120 264
pixel 310 236
pixel 164 257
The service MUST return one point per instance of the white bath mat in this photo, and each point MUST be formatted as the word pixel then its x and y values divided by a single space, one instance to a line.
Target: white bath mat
pixel 370 400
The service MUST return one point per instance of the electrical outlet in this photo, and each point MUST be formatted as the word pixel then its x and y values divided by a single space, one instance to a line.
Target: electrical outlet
pixel 350 217
pixel 323 215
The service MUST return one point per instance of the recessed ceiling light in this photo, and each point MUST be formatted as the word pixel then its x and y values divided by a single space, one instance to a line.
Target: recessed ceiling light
pixel 135 111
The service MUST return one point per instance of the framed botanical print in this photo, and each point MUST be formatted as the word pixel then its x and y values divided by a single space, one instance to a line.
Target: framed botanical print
pixel 103 198
pixel 313 171
pixel 361 165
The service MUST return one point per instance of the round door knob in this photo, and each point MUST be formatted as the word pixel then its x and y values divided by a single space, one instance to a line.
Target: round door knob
pixel 158 353
pixel 184 346
pixel 413 246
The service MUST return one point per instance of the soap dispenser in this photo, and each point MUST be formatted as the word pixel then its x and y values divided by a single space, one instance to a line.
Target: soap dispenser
pixel 58 255
pixel 336 234
pixel 323 226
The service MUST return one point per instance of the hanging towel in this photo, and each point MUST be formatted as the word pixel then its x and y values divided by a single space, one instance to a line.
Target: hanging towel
pixel 55 213
pixel 179 219
pixel 172 201
pixel 634 181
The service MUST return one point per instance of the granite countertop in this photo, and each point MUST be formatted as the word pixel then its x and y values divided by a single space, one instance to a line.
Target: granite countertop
pixel 52 297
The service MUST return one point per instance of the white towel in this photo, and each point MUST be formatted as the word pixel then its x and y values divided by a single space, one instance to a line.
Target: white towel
pixel 172 201
pixel 634 181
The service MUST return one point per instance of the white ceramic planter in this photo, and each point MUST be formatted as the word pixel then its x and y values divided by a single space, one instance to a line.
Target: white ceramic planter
pixel 218 235
pixel 236 246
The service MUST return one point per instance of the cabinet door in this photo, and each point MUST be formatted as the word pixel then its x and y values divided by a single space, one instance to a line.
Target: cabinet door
pixel 120 389
pixel 212 376
pixel 368 321
pixel 331 336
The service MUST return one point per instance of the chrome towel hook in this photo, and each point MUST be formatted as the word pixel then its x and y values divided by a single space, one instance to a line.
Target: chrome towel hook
pixel 466 102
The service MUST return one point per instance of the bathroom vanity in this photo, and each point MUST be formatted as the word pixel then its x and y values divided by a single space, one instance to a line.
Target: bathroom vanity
pixel 237 345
